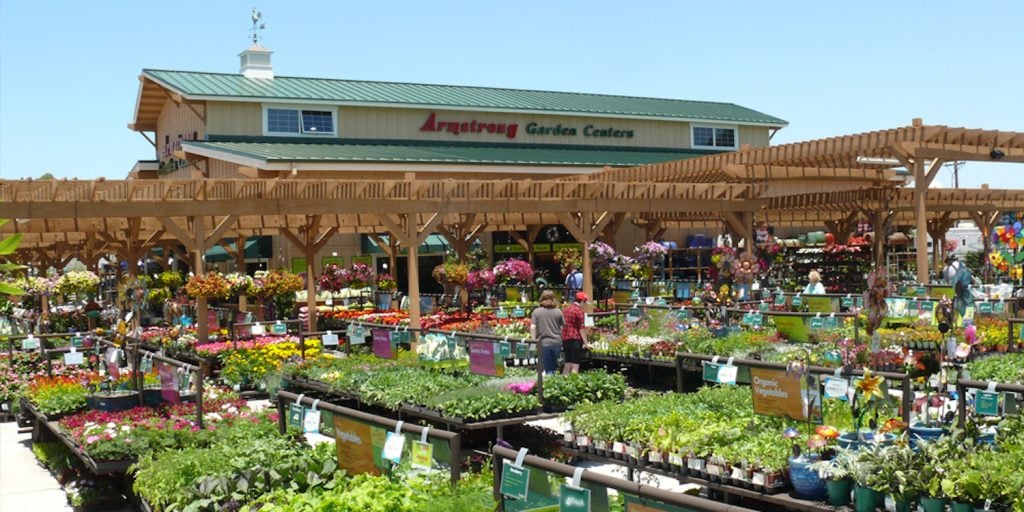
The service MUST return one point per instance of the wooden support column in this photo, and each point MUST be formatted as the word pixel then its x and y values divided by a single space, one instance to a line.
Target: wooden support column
pixel 584 228
pixel 202 316
pixel 986 222
pixel 742 225
pixel 391 250
pixel 408 232
pixel 921 217
pixel 310 245
pixel 878 244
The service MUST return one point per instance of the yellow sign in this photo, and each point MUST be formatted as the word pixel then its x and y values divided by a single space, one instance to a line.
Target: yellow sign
pixel 354 440
pixel 818 304
pixel 792 327
pixel 778 394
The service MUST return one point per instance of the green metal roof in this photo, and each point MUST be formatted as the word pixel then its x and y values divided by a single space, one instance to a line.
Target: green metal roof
pixel 237 87
pixel 441 153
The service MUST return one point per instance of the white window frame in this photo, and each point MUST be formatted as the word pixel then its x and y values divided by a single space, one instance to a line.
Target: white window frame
pixel 733 127
pixel 319 108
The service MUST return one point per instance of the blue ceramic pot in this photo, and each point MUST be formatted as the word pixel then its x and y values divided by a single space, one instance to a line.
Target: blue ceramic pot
pixel 807 483
pixel 922 434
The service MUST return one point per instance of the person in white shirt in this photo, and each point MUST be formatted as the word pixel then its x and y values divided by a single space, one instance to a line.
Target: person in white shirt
pixel 814 286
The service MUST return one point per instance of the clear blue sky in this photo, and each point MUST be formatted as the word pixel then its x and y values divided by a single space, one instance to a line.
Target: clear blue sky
pixel 68 69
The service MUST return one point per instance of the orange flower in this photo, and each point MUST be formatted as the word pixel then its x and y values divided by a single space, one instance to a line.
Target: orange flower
pixel 893 425
pixel 827 431
pixel 871 385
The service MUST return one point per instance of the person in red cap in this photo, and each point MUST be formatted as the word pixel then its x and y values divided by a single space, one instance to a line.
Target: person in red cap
pixel 574 334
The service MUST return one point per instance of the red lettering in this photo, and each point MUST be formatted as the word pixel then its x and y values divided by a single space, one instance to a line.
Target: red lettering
pixel 491 127
pixel 512 130
pixel 429 125
pixel 464 127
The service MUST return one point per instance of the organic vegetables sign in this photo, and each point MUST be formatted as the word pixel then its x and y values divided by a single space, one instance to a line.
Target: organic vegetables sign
pixel 777 393
pixel 484 359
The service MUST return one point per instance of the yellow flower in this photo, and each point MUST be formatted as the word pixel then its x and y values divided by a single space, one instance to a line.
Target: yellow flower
pixel 871 385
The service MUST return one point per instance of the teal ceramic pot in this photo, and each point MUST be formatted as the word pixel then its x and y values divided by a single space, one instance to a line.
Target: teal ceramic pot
pixel 922 434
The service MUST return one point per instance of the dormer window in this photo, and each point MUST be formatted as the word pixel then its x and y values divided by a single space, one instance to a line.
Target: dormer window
pixel 298 121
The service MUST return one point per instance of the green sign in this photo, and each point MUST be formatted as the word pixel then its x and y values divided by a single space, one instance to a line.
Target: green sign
pixel 298 265
pixel 29 344
pixel 846 302
pixel 753 319
pixel 792 327
pixel 720 373
pixel 508 249
pixel 999 308
pixel 780 300
pixel 817 323
pixel 295 415
pixel 365 259
pixel 985 307
pixel 922 291
pixel 422 455
pixel 797 301
pixel 831 322
pixel 559 247
pixel 332 260
pixel 683 314
pixel 77 341
pixel 522 350
pixel 819 304
pixel 573 499
pixel 515 482
pixel 633 315
pixel 764 306
pixel 501 314
pixel 518 312
pixel 986 403
pixel 505 349
pixel 279 329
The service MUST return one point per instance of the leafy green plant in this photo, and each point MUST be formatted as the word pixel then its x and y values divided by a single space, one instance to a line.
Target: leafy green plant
pixel 585 387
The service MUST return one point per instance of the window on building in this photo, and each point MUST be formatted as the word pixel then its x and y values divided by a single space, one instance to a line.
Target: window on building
pixel 714 137
pixel 294 121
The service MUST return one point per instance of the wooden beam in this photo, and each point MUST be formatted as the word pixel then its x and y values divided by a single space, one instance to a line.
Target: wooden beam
pixel 178 232
pixel 219 231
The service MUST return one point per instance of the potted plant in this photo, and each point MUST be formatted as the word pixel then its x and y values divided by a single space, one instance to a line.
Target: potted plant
pixel 865 461
pixel 869 401
pixel 896 466
pixel 838 476
pixel 807 482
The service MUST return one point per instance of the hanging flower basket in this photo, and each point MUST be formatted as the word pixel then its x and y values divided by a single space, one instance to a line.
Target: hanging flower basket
pixel 211 285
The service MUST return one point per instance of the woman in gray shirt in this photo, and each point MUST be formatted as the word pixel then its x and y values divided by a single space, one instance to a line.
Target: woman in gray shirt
pixel 546 324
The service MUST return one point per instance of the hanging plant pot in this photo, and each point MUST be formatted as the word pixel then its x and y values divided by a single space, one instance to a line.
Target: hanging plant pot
pixel 839 491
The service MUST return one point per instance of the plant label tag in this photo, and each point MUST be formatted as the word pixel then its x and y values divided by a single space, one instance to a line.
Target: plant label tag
pixel 714 469
pixel 758 478
pixel 633 315
pixel 422 455
pixel 985 307
pixel 738 474
pixel 830 322
pixel 257 330
pixel 618 447
pixel 311 423
pixel 756 320
pixel 600 444
pixel 836 388
pixel 146 365
pixel 632 451
pixel 568 436
pixel 588 321
pixel 763 306
pixel 279 328
pixel 986 403
pixel 30 343
pixel 330 339
pixel 573 499
pixel 695 463
pixel 780 300
pixel 583 440
pixel 675 459
pixel 683 314
pixel 727 374
pixel 501 314
pixel 505 349
pixel 999 308
pixel 393 447
pixel 515 482
pixel 654 456
pixel 1009 404
pixel 817 323
pixel 846 302
pixel 797 301
pixel 295 415
pixel 518 312
pixel 922 291
pixel 77 341
pixel 74 357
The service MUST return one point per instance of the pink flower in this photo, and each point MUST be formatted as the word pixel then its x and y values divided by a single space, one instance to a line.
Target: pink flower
pixel 92 439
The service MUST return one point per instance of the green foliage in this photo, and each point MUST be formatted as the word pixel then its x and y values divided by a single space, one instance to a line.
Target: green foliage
pixel 481 402
pixel 585 387
pixel 1005 368
pixel 54 456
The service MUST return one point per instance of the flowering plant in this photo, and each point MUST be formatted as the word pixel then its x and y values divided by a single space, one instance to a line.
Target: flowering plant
pixel 35 285
pixel 240 284
pixel 386 283
pixel 210 285
pixel 601 255
pixel 57 395
pixel 650 253
pixel 513 271
pixel 334 278
pixel 521 388
pixel 77 282
pixel 169 279
pixel 478 280
pixel 158 296
pixel 569 258
pixel 278 282
pixel 359 275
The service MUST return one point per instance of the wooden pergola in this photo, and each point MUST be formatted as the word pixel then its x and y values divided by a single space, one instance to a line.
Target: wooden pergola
pixel 920 149
pixel 131 217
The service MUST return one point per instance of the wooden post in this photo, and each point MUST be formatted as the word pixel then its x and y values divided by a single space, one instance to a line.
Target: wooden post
pixel 311 312
pixel 413 270
pixel 199 237
pixel 921 216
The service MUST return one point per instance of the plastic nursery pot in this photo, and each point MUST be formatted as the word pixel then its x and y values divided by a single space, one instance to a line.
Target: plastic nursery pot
pixel 962 507
pixel 839 491
pixel 807 483
pixel 905 505
pixel 864 499
pixel 933 504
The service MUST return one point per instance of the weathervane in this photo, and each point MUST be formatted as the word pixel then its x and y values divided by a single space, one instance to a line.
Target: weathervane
pixel 257 17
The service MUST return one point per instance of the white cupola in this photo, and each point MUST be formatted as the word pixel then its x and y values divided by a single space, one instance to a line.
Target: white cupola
pixel 255 62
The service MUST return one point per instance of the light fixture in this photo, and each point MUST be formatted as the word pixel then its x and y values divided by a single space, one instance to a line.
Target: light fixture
pixel 385 265
pixel 997 154
pixel 335 254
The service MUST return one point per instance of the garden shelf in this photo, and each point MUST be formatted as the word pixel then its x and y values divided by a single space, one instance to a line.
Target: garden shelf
pixel 53 427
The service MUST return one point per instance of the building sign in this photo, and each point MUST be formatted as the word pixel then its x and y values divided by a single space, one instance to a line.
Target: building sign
pixel 511 130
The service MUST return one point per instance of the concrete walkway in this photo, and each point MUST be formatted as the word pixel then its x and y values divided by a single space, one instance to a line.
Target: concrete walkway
pixel 24 484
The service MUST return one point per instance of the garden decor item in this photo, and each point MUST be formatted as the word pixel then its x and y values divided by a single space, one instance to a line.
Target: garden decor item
pixel 807 483
pixel 874 298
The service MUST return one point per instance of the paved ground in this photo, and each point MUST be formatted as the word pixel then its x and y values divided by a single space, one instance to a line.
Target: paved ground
pixel 24 484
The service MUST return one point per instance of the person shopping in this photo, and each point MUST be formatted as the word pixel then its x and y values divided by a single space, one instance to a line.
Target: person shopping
pixel 546 324
pixel 814 286
pixel 574 334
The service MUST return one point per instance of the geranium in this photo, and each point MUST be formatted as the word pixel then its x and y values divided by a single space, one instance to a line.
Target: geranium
pixel 210 285
pixel 479 280
pixel 77 282
pixel 513 271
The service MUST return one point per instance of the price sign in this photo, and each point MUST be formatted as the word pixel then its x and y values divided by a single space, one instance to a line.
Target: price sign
pixel 720 373
pixel 797 301
pixel 74 357
pixel 330 339
pixel 501 314
pixel 986 403
pixel 258 330
pixel 295 415
pixel 999 308
pixel 77 341
pixel 633 315
pixel 483 360
pixel 573 499
pixel 846 302
pixel 830 322
pixel 279 328
pixel 393 447
pixel 588 321
pixel 505 349
pixel 683 314
pixel 836 387
pixel 780 300
pixel 356 335
pixel 518 312
pixel 763 306
pixel 515 482
pixel 399 337
pixel 30 343
pixel 422 455
pixel 756 320
pixel 311 422
pixel 817 323
pixel 922 291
